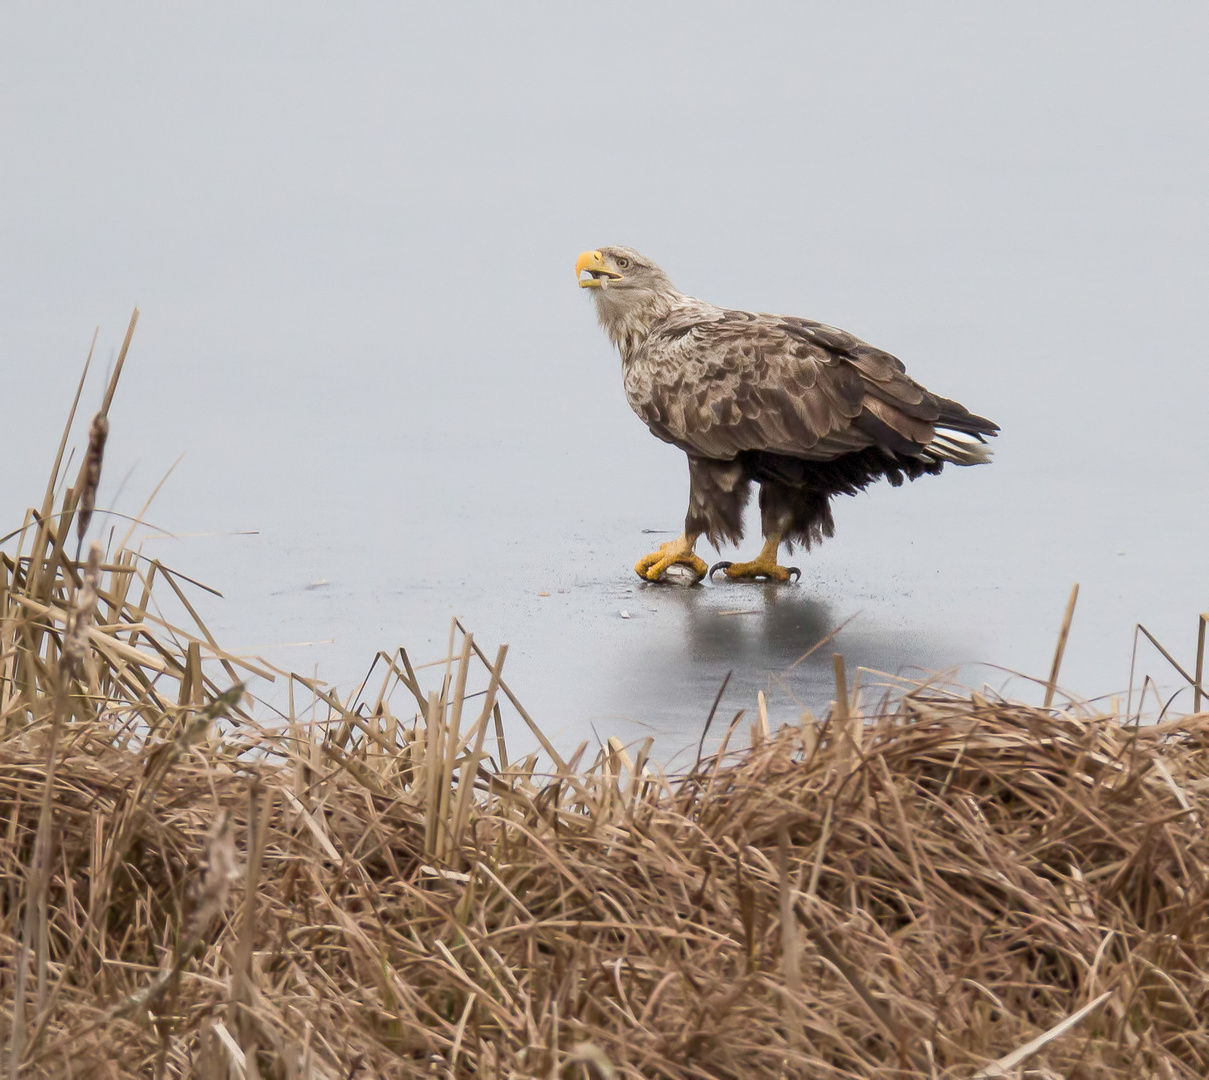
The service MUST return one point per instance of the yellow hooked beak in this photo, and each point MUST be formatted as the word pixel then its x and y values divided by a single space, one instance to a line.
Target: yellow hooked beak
pixel 598 273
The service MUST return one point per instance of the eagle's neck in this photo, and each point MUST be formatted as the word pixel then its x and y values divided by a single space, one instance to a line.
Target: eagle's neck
pixel 627 317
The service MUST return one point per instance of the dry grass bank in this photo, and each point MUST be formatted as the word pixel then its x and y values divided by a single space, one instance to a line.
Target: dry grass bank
pixel 371 888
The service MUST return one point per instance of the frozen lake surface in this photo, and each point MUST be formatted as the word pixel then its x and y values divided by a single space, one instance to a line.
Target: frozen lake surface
pixel 351 236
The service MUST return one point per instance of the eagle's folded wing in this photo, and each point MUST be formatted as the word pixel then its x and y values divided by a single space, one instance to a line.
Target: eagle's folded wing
pixel 738 381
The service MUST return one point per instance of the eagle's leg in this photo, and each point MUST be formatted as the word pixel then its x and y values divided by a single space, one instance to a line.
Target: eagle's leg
pixel 678 552
pixel 789 512
pixel 763 565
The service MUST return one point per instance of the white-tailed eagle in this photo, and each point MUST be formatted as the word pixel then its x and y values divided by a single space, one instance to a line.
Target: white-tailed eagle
pixel 802 409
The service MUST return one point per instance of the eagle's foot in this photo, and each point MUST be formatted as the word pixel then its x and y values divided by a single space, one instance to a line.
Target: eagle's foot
pixel 758 568
pixel 678 552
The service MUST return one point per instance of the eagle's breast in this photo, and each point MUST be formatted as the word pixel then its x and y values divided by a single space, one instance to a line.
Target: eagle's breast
pixel 668 382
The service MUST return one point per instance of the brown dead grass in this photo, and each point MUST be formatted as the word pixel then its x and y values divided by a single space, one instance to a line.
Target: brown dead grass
pixel 921 889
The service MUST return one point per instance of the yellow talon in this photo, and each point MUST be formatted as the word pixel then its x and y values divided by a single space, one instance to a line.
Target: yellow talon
pixel 678 552
pixel 763 565
pixel 751 571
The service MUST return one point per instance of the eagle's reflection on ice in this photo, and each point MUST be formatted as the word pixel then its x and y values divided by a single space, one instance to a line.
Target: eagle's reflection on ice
pixel 769 638
pixel 768 625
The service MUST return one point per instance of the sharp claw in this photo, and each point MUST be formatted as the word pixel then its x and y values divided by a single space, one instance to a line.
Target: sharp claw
pixel 718 566
pixel 792 571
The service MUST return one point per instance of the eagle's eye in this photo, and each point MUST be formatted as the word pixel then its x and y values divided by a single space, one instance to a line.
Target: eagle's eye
pixel 623 263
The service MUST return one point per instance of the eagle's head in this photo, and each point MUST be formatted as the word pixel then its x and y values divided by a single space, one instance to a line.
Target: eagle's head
pixel 630 291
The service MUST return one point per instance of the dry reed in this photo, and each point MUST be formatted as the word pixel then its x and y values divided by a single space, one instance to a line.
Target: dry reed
pixel 941 885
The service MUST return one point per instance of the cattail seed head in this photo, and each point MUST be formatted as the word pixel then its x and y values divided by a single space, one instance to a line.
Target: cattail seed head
pixel 98 431
pixel 79 616
pixel 219 871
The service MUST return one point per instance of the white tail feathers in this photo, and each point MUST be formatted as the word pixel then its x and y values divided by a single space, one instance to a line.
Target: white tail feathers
pixel 959 449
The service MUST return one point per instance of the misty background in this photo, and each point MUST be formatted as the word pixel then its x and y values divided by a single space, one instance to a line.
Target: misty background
pixel 351 233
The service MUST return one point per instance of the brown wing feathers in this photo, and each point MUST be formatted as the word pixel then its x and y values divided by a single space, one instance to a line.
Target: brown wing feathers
pixel 748 382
